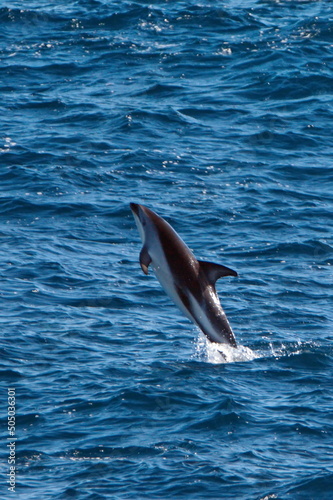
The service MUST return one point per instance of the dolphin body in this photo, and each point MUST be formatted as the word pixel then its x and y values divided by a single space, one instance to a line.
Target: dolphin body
pixel 189 282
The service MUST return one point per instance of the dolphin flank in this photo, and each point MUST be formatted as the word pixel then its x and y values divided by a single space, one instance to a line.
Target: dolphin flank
pixel 189 282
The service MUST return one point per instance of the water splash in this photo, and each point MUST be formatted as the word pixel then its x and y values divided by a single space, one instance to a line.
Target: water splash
pixel 214 353
pixel 289 349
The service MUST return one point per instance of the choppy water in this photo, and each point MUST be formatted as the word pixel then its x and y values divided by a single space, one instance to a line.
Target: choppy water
pixel 219 117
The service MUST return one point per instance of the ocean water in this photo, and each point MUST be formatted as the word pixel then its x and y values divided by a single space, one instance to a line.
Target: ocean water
pixel 218 116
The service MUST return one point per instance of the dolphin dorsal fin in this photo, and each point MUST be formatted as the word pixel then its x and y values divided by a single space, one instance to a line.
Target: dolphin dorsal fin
pixel 215 271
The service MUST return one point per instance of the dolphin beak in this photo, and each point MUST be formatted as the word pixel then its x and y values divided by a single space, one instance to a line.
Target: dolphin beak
pixel 135 208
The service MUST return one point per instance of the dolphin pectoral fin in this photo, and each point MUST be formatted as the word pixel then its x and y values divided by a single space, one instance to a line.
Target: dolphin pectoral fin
pixel 215 271
pixel 145 259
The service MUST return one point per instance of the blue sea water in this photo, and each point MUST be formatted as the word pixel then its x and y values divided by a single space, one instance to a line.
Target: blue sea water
pixel 218 116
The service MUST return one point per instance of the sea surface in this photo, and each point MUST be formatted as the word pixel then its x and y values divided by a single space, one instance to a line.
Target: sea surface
pixel 218 116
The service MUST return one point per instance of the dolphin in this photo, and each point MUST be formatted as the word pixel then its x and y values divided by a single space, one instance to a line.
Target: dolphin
pixel 190 283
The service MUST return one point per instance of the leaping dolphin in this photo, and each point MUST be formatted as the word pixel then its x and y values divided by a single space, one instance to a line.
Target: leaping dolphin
pixel 189 282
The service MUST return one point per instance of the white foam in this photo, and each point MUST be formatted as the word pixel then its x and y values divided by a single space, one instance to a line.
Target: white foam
pixel 214 353
pixel 222 353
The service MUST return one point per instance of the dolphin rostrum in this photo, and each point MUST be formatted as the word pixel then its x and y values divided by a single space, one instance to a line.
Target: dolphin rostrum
pixel 189 282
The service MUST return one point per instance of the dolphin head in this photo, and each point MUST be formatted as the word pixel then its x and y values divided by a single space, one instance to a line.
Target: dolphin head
pixel 142 219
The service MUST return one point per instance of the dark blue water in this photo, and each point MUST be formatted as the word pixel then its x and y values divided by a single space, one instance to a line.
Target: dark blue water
pixel 218 116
